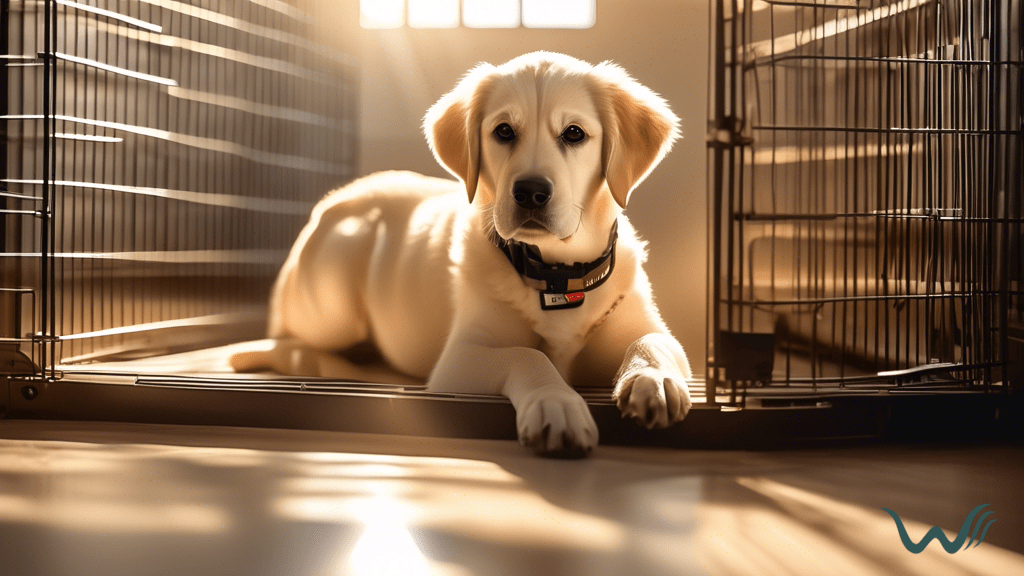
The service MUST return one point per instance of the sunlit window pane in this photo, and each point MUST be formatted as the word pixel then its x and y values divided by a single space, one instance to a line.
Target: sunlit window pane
pixel 381 13
pixel 433 13
pixel 478 13
pixel 559 13
pixel 490 13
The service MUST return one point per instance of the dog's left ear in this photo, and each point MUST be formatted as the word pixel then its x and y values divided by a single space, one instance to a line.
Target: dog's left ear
pixel 452 127
pixel 639 129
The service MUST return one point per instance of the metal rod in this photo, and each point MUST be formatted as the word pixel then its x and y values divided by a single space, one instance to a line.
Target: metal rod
pixel 212 144
pixel 112 15
pixel 894 130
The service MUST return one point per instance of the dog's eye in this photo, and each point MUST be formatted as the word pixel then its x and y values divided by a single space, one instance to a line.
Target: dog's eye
pixel 505 133
pixel 573 134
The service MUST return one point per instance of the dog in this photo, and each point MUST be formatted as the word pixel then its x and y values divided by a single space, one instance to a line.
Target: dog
pixel 534 284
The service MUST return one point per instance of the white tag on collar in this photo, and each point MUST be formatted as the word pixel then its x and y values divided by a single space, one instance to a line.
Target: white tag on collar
pixel 549 301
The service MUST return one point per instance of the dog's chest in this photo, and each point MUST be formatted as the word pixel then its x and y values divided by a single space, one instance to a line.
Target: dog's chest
pixel 559 328
pixel 563 332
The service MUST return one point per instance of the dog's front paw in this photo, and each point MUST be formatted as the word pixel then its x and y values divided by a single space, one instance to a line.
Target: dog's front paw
pixel 557 422
pixel 653 397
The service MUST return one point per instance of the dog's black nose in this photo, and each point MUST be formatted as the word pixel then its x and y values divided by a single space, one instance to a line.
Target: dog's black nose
pixel 531 193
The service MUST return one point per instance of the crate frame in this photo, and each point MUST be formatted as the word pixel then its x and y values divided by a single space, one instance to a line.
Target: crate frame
pixel 828 44
pixel 158 161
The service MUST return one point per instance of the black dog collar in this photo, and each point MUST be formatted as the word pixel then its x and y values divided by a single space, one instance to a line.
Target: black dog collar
pixel 561 286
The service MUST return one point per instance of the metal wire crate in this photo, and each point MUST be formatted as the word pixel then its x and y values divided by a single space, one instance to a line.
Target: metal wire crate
pixel 865 166
pixel 159 159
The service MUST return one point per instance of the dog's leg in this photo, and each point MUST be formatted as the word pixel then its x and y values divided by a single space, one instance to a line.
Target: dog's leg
pixel 291 357
pixel 651 383
pixel 551 418
pixel 634 352
pixel 288 356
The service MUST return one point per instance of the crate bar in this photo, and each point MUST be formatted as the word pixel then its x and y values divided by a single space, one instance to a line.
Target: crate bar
pixel 206 143
pixel 1017 152
pixel 716 114
pixel 769 60
pixel 44 276
pixel 112 15
pixel 208 198
pixel 895 130
pixel 4 91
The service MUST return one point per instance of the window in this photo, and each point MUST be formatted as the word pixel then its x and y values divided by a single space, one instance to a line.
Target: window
pixel 477 13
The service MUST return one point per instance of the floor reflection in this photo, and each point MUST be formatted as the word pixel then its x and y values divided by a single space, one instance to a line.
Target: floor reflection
pixel 78 498
pixel 440 494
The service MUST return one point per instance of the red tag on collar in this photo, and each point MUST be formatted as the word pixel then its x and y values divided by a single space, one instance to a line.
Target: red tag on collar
pixel 549 301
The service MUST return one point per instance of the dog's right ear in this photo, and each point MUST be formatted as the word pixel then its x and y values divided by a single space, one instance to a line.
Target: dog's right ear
pixel 452 127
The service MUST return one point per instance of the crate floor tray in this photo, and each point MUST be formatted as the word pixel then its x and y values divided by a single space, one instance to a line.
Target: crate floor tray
pixel 199 388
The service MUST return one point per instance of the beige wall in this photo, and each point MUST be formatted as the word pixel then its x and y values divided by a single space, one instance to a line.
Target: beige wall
pixel 662 43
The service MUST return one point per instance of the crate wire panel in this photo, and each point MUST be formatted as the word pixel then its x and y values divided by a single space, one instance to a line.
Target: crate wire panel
pixel 865 165
pixel 160 158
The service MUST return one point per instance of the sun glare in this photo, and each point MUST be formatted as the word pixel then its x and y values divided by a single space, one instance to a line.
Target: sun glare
pixel 386 547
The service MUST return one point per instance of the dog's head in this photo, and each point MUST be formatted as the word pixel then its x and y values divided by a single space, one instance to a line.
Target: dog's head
pixel 550 147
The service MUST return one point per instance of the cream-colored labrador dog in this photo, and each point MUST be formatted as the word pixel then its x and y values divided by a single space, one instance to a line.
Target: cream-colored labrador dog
pixel 533 285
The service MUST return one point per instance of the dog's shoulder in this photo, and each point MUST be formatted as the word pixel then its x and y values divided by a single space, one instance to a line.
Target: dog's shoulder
pixel 393 186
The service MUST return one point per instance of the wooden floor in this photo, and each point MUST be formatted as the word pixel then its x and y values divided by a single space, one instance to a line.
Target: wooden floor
pixel 129 499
